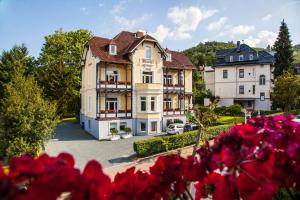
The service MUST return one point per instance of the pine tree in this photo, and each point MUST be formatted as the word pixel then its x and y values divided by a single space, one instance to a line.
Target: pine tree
pixel 26 119
pixel 283 51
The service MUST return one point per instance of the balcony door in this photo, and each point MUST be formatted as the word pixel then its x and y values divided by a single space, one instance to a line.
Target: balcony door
pixel 111 104
pixel 112 76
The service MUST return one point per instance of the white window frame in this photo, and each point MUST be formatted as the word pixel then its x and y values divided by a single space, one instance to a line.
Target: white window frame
pixel 111 72
pixel 181 78
pixel 141 127
pixel 251 56
pixel 151 123
pixel 122 123
pixel 169 57
pixel 147 52
pixel 150 77
pixel 168 103
pixel 241 57
pixel 168 79
pixel 262 79
pixel 242 72
pixel 262 96
pixel 116 103
pixel 140 103
pixel 110 126
pixel 231 59
pixel 240 89
pixel 153 100
pixel 225 70
pixel 113 49
pixel 90 103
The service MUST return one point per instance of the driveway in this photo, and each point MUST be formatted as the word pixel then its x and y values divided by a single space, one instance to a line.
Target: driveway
pixel 70 138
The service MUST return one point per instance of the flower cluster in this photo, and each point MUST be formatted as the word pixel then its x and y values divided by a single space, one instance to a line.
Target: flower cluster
pixel 256 160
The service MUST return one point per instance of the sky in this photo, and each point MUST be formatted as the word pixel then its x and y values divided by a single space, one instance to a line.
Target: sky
pixel 176 24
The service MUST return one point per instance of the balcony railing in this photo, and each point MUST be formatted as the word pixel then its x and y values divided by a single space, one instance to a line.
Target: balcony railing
pixel 147 61
pixel 114 114
pixel 175 111
pixel 114 84
pixel 174 87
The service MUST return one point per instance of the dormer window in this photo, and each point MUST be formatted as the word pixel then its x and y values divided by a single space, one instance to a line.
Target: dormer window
pixel 231 58
pixel 169 57
pixel 112 49
pixel 241 57
pixel 251 57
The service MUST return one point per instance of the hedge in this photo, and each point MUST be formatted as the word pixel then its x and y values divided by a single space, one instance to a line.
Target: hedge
pixel 165 143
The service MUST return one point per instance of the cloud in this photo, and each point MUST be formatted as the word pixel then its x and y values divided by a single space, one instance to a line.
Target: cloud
pixel 217 25
pixel 267 17
pixel 84 10
pixel 161 33
pixel 240 30
pixel 264 37
pixel 131 23
pixel 187 19
pixel 119 7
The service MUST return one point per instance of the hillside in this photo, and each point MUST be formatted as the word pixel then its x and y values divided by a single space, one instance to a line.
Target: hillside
pixel 204 53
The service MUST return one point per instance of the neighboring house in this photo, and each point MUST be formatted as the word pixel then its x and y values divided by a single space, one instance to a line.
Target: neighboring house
pixel 131 81
pixel 243 75
pixel 296 68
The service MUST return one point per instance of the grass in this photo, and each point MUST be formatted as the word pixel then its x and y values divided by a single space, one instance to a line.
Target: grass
pixel 230 120
pixel 69 120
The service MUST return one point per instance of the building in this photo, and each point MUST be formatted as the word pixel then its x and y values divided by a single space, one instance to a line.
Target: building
pixel 242 75
pixel 296 68
pixel 131 81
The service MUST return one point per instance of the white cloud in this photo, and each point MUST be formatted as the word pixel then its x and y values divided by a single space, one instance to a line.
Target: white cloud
pixel 186 20
pixel 119 7
pixel 161 33
pixel 264 37
pixel 241 30
pixel 217 25
pixel 131 23
pixel 267 17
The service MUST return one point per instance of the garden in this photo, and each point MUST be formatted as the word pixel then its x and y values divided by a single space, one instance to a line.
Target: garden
pixel 256 160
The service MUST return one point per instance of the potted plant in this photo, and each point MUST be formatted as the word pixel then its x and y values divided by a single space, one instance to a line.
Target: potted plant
pixel 128 133
pixel 114 134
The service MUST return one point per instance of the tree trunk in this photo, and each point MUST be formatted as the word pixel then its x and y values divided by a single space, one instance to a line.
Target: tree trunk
pixel 198 137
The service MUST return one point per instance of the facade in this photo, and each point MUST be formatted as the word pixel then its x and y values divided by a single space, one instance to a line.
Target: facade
pixel 131 81
pixel 242 75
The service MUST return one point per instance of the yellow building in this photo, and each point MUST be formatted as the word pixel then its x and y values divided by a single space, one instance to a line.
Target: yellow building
pixel 131 81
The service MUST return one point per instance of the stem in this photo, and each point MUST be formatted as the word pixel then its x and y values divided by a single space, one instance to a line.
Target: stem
pixel 198 137
pixel 289 191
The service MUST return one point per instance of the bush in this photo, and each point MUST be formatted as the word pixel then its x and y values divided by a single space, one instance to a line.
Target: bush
pixel 179 121
pixel 265 112
pixel 235 110
pixel 165 143
pixel 127 130
pixel 113 131
pixel 19 146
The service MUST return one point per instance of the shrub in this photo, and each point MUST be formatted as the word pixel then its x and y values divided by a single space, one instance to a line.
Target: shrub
pixel 235 109
pixel 19 146
pixel 161 144
pixel 178 121
pixel 113 131
pixel 128 130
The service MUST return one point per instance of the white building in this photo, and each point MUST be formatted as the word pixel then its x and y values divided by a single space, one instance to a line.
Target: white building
pixel 241 75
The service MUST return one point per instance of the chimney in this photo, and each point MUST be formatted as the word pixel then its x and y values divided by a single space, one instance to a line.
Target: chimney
pixel 139 34
pixel 238 45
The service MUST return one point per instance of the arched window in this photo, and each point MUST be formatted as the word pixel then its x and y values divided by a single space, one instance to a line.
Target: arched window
pixel 262 80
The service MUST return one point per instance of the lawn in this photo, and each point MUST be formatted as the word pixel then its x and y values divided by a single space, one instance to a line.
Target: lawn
pixel 230 120
pixel 70 120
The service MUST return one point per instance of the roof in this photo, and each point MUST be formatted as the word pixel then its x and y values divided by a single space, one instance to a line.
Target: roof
pixel 260 57
pixel 126 43
pixel 179 61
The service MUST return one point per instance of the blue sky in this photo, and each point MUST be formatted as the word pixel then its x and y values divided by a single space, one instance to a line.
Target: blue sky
pixel 176 24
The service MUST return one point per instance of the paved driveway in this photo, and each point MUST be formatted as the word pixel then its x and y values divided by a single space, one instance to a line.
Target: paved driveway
pixel 71 138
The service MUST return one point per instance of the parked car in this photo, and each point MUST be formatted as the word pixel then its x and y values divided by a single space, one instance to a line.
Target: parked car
pixel 297 118
pixel 175 128
pixel 190 127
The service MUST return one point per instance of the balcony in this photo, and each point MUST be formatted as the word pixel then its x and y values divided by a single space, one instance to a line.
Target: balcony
pixel 147 61
pixel 175 111
pixel 175 87
pixel 114 85
pixel 113 114
pixel 148 86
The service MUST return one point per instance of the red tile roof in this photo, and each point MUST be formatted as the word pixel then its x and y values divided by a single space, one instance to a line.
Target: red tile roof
pixel 178 61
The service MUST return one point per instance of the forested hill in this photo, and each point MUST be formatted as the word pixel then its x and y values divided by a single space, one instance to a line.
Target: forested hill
pixel 204 53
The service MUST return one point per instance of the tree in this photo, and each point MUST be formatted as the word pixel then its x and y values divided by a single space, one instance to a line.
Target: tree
pixel 286 92
pixel 283 51
pixel 26 120
pixel 14 60
pixel 59 74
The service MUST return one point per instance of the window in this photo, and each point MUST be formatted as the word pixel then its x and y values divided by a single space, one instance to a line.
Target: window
pixel 241 57
pixel 231 58
pixel 253 72
pixel 113 125
pixel 167 103
pixel 181 103
pixel 241 73
pixel 262 96
pixel 168 79
pixel 262 80
pixel 253 89
pixel 147 52
pixel 225 73
pixel 241 89
pixel 152 102
pixel 147 77
pixel 143 103
pixel 169 57
pixel 143 126
pixel 249 104
pixel 123 126
pixel 251 57
pixel 180 78
pixel 112 49
pixel 112 76
pixel 153 126
pixel 89 124
pixel 90 104
pixel 111 104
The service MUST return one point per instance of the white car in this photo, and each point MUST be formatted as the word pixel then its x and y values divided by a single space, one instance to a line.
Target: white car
pixel 297 118
pixel 175 128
